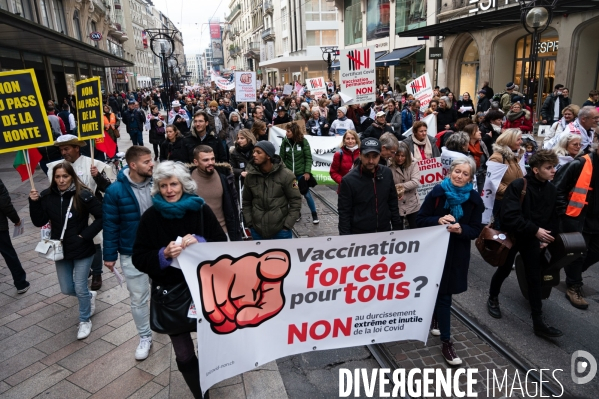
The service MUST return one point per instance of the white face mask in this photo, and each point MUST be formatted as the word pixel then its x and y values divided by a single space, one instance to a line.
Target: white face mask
pixel 496 128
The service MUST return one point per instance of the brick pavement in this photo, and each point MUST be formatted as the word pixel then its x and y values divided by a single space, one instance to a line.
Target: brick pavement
pixel 40 356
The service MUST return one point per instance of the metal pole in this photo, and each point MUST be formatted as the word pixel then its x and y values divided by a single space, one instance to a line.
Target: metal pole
pixel 532 69
pixel 330 69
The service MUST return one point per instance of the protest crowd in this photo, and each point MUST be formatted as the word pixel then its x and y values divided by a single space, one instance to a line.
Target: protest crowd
pixel 213 175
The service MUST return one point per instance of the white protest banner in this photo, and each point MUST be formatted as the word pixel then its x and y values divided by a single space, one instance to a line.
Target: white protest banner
pixel 287 89
pixel 357 75
pixel 258 84
pixel 299 89
pixel 495 172
pixel 522 165
pixel 317 86
pixel 431 174
pixel 223 83
pixel 422 89
pixel 258 301
pixel 323 148
pixel 245 86
pixel 431 123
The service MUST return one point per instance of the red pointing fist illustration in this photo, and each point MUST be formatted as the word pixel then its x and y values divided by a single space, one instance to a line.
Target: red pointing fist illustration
pixel 245 291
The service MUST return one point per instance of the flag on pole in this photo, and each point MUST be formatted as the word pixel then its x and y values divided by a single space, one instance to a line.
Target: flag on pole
pixel 106 145
pixel 20 163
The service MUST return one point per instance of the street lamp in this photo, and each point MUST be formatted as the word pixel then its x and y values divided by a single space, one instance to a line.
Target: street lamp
pixel 162 44
pixel 329 55
pixel 172 63
pixel 536 16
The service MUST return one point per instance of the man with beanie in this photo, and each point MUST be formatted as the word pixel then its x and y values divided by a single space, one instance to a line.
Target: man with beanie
pixel 217 120
pixel 342 124
pixel 367 200
pixel 124 202
pixel 271 197
pixel 505 102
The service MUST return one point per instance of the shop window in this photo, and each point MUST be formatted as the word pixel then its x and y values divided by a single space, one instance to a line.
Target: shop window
pixel 409 14
pixel 469 69
pixel 408 69
pixel 353 22
pixel 76 25
pixel 377 19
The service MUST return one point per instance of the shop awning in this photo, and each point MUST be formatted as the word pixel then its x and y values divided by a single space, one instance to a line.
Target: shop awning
pixel 336 65
pixel 23 35
pixel 491 19
pixel 396 55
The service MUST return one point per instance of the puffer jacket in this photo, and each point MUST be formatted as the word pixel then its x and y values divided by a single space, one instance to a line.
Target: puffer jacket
pixel 523 122
pixel 409 178
pixel 52 207
pixel 297 157
pixel 565 180
pixel 343 161
pixel 121 218
pixel 503 154
pixel 7 210
pixel 271 201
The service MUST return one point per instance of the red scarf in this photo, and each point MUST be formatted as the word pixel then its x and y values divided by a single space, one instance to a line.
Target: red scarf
pixel 476 152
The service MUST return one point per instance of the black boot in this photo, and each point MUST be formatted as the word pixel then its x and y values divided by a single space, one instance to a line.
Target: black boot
pixel 191 374
pixel 542 329
pixel 493 307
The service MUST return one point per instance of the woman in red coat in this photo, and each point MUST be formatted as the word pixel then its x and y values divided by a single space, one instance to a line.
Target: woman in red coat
pixel 344 159
pixel 518 118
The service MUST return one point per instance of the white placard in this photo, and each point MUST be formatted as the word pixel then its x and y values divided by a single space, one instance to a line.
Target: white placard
pixel 262 300
pixel 287 89
pixel 495 172
pixel 317 87
pixel 245 86
pixel 431 174
pixel 357 75
pixel 422 89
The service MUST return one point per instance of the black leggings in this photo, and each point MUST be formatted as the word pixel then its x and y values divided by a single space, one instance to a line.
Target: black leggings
pixel 530 252
pixel 411 218
pixel 156 150
pixel 183 347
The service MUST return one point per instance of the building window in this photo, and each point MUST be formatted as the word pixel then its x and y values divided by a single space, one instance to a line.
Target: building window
pixel 321 38
pixel 19 7
pixel 46 17
pixel 317 10
pixel 377 19
pixel 285 44
pixel 409 14
pixel 469 69
pixel 76 25
pixel 353 22
pixel 61 24
pixel 284 18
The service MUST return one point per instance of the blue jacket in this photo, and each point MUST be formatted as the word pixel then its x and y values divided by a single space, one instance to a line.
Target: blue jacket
pixel 407 119
pixel 121 218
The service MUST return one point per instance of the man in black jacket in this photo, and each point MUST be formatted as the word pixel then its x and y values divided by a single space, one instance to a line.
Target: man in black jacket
pixel 134 118
pixel 7 210
pixel 379 127
pixel 367 200
pixel 578 211
pixel 484 103
pixel 270 107
pixel 215 183
pixel 551 112
pixel 336 103
pixel 257 114
pixel 199 135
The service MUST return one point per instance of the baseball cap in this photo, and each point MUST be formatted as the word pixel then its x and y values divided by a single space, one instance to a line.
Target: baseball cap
pixel 380 113
pixel 370 145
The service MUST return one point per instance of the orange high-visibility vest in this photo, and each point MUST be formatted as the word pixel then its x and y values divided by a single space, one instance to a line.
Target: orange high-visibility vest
pixel 578 195
pixel 111 122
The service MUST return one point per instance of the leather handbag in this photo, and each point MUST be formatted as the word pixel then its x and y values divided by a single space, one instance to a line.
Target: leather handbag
pixel 52 249
pixel 169 306
pixel 495 245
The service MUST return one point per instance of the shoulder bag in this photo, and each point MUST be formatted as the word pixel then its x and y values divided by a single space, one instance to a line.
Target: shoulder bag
pixel 171 303
pixel 494 245
pixel 52 249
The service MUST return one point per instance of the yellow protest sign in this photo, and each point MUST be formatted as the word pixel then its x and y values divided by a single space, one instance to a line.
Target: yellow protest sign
pixel 23 120
pixel 89 109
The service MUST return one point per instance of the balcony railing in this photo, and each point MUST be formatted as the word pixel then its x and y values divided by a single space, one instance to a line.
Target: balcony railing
pixel 268 7
pixel 234 12
pixel 268 34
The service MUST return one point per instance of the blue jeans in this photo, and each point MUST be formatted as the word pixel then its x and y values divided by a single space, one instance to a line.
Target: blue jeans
pixel 308 197
pixel 138 284
pixel 281 235
pixel 443 314
pixel 137 137
pixel 72 277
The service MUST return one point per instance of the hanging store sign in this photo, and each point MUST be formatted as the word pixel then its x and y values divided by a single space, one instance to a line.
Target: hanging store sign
pixel 23 119
pixel 435 53
pixel 96 36
pixel 89 109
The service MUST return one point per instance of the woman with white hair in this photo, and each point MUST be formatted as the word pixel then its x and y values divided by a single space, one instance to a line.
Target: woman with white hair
pixel 303 113
pixel 568 147
pixel 317 125
pixel 453 203
pixel 177 211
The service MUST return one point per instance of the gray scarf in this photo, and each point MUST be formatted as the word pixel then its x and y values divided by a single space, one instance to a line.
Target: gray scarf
pixel 217 124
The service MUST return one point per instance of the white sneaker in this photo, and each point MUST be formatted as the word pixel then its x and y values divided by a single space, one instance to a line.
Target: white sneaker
pixel 143 349
pixel 85 328
pixel 92 306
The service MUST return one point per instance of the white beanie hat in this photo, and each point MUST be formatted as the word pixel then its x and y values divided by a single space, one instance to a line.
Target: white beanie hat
pixel 342 109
